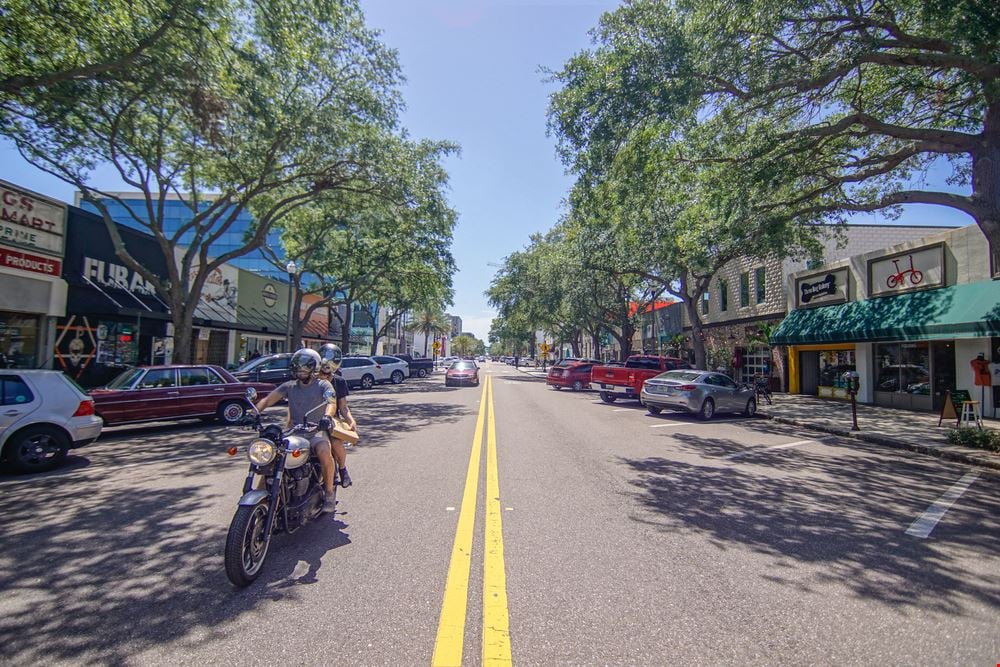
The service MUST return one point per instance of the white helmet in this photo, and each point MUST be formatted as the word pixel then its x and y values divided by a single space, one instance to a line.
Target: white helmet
pixel 307 359
pixel 331 357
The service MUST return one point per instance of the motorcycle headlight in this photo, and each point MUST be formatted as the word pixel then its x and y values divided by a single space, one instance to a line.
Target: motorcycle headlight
pixel 261 452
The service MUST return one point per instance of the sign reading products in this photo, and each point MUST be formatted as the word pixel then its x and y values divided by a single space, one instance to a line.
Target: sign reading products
pixel 822 289
pixel 920 268
pixel 30 222
pixel 14 259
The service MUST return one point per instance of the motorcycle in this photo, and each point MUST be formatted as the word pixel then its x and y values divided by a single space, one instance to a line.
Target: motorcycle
pixel 291 496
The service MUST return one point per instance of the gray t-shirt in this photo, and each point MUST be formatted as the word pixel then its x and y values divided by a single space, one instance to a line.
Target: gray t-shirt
pixel 303 397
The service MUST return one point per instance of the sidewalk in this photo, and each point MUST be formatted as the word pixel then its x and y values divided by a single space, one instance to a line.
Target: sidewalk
pixel 902 429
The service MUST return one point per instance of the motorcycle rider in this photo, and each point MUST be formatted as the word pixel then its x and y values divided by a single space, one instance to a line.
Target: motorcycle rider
pixel 331 357
pixel 306 403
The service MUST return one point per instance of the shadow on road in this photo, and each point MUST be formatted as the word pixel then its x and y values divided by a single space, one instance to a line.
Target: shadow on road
pixel 846 513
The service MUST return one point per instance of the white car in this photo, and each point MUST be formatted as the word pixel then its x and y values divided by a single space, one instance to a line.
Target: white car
pixel 360 372
pixel 393 369
pixel 43 414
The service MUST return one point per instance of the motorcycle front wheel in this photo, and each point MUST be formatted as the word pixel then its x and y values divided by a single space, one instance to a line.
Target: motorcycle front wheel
pixel 246 544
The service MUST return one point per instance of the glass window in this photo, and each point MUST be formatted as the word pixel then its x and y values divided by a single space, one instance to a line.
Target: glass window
pixel 903 368
pixel 126 379
pixel 834 366
pixel 704 303
pixel 760 282
pixel 215 378
pixel 193 377
pixel 278 363
pixel 158 378
pixel 744 289
pixel 723 296
pixel 19 340
pixel 15 391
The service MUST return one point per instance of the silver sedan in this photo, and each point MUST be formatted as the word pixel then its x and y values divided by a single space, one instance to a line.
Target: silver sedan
pixel 699 392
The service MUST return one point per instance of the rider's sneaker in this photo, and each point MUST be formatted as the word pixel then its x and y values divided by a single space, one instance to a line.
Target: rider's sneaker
pixel 330 504
pixel 345 479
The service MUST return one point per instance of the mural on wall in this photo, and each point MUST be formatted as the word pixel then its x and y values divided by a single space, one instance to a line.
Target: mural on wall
pixel 76 346
pixel 219 294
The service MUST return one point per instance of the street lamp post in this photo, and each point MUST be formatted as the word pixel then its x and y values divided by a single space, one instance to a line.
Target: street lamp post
pixel 291 268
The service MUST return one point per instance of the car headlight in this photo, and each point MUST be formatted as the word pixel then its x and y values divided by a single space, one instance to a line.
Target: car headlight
pixel 261 452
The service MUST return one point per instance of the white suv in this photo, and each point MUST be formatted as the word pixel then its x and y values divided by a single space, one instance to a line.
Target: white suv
pixel 360 372
pixel 393 369
pixel 43 414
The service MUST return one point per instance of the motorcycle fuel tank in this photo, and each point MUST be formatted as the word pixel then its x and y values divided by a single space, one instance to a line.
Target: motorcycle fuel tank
pixel 301 444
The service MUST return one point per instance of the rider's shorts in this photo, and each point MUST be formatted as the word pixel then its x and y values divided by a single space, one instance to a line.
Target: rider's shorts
pixel 318 438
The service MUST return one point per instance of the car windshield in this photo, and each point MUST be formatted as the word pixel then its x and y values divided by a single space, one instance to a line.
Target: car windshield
pixel 463 366
pixel 126 379
pixel 679 376
pixel 252 364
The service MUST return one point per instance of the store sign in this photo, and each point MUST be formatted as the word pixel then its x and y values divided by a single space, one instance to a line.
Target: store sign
pixel 907 271
pixel 109 274
pixel 822 289
pixel 27 221
pixel 15 259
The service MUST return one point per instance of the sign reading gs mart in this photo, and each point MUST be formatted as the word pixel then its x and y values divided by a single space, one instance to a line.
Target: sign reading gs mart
pixel 821 288
pixel 31 222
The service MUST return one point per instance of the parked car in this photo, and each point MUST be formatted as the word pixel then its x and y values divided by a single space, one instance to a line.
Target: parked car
pixel 614 381
pixel 462 372
pixel 361 372
pixel 44 415
pixel 421 366
pixel 700 392
pixel 274 368
pixel 393 369
pixel 572 373
pixel 155 393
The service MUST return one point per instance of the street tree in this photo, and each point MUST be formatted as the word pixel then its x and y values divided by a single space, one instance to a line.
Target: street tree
pixel 871 94
pixel 430 321
pixel 281 101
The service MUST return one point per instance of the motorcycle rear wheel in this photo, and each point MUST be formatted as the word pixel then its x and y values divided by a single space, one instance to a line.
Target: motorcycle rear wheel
pixel 246 545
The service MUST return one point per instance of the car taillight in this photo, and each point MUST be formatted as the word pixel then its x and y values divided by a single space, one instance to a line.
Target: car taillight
pixel 85 409
pixel 686 387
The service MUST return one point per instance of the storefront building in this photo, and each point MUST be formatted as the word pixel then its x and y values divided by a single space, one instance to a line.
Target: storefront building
pixel 911 320
pixel 262 309
pixel 32 243
pixel 748 298
pixel 114 318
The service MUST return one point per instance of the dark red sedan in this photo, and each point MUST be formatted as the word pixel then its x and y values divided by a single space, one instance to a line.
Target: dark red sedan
pixel 571 373
pixel 155 393
pixel 462 372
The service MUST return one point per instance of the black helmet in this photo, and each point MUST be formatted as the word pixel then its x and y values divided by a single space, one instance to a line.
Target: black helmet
pixel 330 356
pixel 307 359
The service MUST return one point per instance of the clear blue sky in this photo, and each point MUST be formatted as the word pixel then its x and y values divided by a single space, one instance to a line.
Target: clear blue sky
pixel 473 76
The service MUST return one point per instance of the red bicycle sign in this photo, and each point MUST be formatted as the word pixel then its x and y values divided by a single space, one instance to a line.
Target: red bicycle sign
pixel 899 278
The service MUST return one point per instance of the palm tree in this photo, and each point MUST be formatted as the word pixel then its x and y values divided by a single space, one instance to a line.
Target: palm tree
pixel 429 322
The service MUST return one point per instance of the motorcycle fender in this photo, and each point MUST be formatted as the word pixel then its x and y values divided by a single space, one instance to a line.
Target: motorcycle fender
pixel 253 497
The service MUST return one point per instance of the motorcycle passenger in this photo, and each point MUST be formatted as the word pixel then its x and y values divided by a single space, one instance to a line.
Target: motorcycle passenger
pixel 331 357
pixel 306 403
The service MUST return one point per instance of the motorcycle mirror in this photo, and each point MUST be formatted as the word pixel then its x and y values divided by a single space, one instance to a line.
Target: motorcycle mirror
pixel 330 396
pixel 251 394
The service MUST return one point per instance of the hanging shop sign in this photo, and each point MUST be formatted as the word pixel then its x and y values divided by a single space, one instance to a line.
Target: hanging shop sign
pixel 822 289
pixel 15 259
pixel 31 222
pixel 921 268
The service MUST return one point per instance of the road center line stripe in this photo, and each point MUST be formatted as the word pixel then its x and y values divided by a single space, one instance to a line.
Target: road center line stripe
pixel 757 450
pixel 451 625
pixel 496 618
pixel 926 522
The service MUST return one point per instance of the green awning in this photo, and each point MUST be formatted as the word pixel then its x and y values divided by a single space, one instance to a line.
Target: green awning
pixel 960 311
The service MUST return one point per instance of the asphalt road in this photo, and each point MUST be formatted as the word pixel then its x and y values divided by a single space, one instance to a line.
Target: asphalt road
pixel 626 539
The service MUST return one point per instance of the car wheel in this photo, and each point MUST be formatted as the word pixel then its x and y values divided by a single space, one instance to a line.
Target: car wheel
pixel 707 409
pixel 751 408
pixel 36 449
pixel 232 412
pixel 396 377
pixel 653 410
pixel 608 397
pixel 421 372
pixel 577 386
pixel 367 381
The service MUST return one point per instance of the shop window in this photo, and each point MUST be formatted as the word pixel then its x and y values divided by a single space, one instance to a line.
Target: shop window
pixel 755 362
pixel 834 366
pixel 14 391
pixel 744 289
pixel 903 368
pixel 759 281
pixel 995 261
pixel 723 296
pixel 19 340
pixel 704 303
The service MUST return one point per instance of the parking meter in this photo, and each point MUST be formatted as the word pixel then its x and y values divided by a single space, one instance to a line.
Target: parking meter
pixel 853 384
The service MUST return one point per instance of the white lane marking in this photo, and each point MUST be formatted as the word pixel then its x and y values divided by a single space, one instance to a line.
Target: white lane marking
pixel 926 522
pixel 756 450
pixel 450 509
pixel 624 410
pixel 709 423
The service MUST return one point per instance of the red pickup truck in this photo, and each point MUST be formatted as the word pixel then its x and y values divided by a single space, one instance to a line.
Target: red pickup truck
pixel 614 382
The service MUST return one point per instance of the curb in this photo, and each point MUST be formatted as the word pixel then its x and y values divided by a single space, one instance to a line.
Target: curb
pixel 948 453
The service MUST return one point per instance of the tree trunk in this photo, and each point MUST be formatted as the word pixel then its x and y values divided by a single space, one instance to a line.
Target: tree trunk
pixel 345 334
pixel 986 176
pixel 298 326
pixel 427 339
pixel 183 335
pixel 697 342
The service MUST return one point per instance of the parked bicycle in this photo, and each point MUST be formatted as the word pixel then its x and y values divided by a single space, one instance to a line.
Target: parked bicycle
pixel 762 388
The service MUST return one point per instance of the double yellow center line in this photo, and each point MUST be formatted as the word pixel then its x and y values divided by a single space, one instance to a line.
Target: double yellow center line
pixel 496 622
